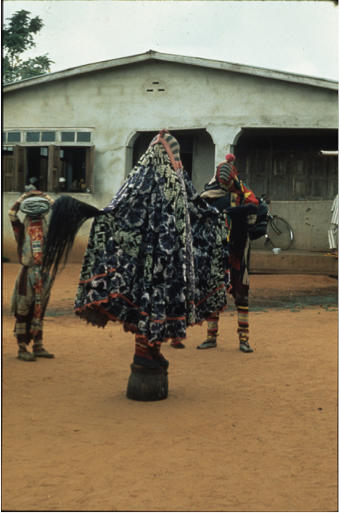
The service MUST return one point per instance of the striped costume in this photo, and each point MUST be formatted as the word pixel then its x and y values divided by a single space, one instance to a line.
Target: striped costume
pixel 228 193
pixel 32 287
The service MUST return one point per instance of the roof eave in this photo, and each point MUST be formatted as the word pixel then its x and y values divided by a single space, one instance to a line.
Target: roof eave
pixel 180 59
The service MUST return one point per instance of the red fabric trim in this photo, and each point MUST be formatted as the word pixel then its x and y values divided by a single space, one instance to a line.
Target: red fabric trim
pixel 112 317
pixel 36 235
pixel 209 295
pixel 108 314
pixel 98 276
pixel 100 301
pixel 169 319
pixel 135 329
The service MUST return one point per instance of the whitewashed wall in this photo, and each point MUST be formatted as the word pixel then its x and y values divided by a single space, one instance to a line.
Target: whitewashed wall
pixel 116 105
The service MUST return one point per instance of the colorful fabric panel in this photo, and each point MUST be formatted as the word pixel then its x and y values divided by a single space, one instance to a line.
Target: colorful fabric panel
pixel 157 256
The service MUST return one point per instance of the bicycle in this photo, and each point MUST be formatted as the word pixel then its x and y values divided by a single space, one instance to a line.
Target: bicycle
pixel 279 234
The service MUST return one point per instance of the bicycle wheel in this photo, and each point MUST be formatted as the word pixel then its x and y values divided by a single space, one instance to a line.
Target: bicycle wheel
pixel 280 233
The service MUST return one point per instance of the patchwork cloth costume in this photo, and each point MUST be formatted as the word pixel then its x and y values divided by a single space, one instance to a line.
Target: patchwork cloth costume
pixel 157 257
pixel 230 194
pixel 32 287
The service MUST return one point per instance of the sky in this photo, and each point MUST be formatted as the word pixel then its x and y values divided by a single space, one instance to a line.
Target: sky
pixel 299 37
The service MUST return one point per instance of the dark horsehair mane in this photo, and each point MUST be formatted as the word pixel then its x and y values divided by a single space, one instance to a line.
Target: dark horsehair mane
pixel 68 215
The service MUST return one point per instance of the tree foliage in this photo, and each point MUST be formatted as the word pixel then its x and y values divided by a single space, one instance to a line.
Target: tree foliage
pixel 17 37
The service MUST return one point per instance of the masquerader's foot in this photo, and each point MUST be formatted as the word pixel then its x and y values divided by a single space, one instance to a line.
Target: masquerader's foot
pixel 177 345
pixel 245 346
pixel 208 344
pixel 42 353
pixel 26 356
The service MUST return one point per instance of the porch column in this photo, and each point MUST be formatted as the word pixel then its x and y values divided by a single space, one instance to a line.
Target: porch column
pixel 223 138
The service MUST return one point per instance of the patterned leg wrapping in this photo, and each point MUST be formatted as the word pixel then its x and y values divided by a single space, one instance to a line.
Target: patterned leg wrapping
pixel 148 380
pixel 21 331
pixel 23 354
pixel 212 332
pixel 212 326
pixel 148 354
pixel 243 328
pixel 22 346
pixel 240 293
pixel 22 328
pixel 39 350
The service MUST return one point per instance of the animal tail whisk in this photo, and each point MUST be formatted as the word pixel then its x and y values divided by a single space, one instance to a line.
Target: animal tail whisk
pixel 68 215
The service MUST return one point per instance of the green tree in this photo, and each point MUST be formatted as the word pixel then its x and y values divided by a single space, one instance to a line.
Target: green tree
pixel 17 37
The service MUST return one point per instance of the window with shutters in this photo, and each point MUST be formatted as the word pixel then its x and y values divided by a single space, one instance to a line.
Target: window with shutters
pixel 62 160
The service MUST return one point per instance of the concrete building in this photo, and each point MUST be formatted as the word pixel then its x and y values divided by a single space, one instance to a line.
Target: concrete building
pixel 81 130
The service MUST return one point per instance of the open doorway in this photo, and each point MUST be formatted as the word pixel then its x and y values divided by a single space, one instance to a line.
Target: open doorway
pixel 73 169
pixel 197 152
pixel 37 166
pixel 186 148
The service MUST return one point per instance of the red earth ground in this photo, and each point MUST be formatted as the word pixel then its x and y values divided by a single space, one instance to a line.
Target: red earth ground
pixel 238 432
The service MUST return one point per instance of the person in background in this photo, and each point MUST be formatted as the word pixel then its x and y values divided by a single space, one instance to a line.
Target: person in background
pixel 333 230
pixel 32 287
pixel 32 185
pixel 228 193
pixel 82 185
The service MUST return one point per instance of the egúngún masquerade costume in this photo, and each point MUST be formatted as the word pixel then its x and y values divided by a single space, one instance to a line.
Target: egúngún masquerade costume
pixel 157 258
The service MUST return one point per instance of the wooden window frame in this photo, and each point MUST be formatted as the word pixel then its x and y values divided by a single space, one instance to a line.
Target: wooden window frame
pixel 54 166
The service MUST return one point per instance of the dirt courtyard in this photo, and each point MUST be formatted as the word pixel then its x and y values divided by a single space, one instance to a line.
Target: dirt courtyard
pixel 238 432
